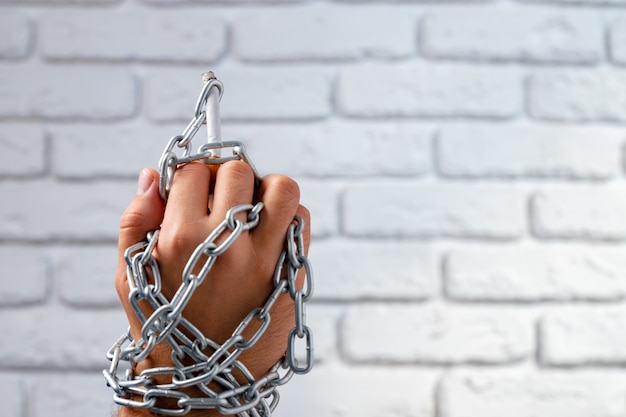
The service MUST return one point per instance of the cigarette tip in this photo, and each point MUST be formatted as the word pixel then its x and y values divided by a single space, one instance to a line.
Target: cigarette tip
pixel 207 76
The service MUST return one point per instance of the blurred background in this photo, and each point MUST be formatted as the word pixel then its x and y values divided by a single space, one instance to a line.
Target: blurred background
pixel 462 160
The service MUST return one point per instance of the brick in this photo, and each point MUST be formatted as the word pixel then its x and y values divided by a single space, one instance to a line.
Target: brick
pixel 73 2
pixel 526 393
pixel 15 35
pixel 582 2
pixel 577 95
pixel 85 276
pixel 324 321
pixel 617 38
pixel 536 273
pixel 12 388
pixel 23 150
pixel 322 200
pixel 279 93
pixel 357 392
pixel 583 212
pixel 583 336
pixel 427 210
pixel 529 152
pixel 338 149
pixel 108 150
pixel 513 35
pixel 59 339
pixel 26 276
pixel 96 35
pixel 429 90
pixel 67 92
pixel 435 335
pixel 385 270
pixel 68 212
pixel 321 34
pixel 186 2
pixel 78 395
pixel 420 1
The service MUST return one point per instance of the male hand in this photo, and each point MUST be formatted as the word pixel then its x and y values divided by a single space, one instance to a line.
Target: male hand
pixel 242 277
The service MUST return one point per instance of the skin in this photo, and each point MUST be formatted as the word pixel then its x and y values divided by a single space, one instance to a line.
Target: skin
pixel 241 278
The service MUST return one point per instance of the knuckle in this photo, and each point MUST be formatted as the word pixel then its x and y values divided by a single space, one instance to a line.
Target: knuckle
pixel 238 170
pixel 287 190
pixel 178 238
pixel 131 219
pixel 189 171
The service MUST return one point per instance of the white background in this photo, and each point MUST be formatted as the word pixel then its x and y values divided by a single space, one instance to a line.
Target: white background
pixel 462 160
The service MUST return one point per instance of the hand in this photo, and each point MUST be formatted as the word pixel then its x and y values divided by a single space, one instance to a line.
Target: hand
pixel 241 279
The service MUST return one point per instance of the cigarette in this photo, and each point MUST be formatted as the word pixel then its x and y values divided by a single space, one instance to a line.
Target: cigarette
pixel 214 129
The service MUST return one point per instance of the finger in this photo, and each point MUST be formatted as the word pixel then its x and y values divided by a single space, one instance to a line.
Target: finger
pixel 234 185
pixel 281 196
pixel 143 215
pixel 145 212
pixel 189 195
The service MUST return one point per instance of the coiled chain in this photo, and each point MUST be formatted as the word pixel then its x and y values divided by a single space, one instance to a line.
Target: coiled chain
pixel 200 363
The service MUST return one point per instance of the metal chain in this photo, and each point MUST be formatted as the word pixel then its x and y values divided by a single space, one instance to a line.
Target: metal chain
pixel 200 363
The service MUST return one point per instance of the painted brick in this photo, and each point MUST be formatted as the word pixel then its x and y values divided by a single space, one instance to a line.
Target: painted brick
pixel 72 2
pixel 577 95
pixel 320 33
pixel 583 212
pixel 23 150
pixel 513 35
pixel 617 39
pixel 420 1
pixel 338 149
pixel 12 388
pixel 529 152
pixel 514 273
pixel 71 211
pixel 370 270
pixel 97 35
pixel 357 392
pixel 26 276
pixel 435 335
pixel 526 393
pixel 85 275
pixel 71 395
pixel 584 335
pixel 426 210
pixel 118 150
pixel 279 93
pixel 322 200
pixel 324 322
pixel 239 2
pixel 67 92
pixel 59 339
pixel 15 35
pixel 582 2
pixel 429 90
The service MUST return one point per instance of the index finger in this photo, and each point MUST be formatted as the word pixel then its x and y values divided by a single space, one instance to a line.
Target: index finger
pixel 189 194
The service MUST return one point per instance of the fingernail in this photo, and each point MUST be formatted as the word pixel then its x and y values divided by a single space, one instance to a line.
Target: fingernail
pixel 145 181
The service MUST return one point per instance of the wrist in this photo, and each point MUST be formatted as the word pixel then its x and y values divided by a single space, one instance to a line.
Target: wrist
pixel 139 412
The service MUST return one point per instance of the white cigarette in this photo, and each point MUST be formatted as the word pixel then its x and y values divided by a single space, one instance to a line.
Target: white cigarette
pixel 214 129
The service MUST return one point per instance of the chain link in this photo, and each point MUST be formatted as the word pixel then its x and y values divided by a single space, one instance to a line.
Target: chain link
pixel 199 362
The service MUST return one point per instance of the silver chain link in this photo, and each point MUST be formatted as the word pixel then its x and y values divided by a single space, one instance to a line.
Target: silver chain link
pixel 200 362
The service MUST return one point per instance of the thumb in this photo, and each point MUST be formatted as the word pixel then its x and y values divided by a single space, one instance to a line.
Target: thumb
pixel 145 212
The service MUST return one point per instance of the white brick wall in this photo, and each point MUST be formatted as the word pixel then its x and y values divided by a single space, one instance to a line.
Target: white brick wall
pixel 550 36
pixel 525 393
pixel 463 161
pixel 419 89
